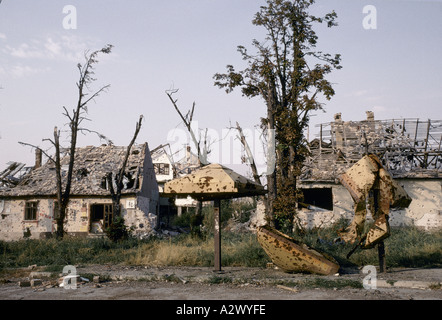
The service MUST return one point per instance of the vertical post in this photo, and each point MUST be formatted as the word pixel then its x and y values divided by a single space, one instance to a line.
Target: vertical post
pixel 217 234
pixel 381 254
pixel 381 246
pixel 415 133
pixel 426 144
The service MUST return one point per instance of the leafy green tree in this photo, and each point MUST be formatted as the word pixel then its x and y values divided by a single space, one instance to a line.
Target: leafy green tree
pixel 289 74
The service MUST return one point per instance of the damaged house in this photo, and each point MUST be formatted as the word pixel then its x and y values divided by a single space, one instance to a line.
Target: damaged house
pixel 166 169
pixel 410 149
pixel 29 208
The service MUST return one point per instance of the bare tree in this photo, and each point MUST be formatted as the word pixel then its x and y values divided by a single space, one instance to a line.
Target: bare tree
pixel 249 153
pixel 202 154
pixel 187 120
pixel 76 117
pixel 118 179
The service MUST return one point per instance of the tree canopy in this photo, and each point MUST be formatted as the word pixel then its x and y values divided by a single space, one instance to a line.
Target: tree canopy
pixel 288 72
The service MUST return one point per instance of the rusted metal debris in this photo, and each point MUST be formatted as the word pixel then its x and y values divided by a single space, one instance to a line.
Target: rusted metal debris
pixel 211 182
pixel 293 256
pixel 371 186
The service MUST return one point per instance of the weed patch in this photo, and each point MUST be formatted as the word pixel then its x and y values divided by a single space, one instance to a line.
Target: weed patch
pixel 406 247
pixel 217 280
pixel 329 283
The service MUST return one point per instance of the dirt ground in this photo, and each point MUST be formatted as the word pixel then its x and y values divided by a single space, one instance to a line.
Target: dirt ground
pixel 194 283
pixel 235 292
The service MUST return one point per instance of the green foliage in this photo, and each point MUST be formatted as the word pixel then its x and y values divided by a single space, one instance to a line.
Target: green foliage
pixel 407 247
pixel 183 221
pixel 118 231
pixel 290 74
pixel 240 210
pixel 217 280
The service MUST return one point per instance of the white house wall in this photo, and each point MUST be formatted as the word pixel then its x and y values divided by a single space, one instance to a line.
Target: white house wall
pixel 317 217
pixel 138 212
pixel 143 217
pixel 425 208
pixel 424 211
pixel 163 158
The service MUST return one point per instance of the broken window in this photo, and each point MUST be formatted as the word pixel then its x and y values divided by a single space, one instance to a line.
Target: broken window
pixel 317 197
pixel 130 180
pixel 81 173
pixel 161 168
pixel 103 183
pixel 31 210
pixel 101 216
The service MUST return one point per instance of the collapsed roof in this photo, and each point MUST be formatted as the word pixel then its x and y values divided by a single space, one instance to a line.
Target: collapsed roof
pixel 91 166
pixel 408 148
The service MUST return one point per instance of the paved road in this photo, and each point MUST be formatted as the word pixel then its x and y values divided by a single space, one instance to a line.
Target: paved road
pixel 143 290
pixel 187 283
pixel 201 293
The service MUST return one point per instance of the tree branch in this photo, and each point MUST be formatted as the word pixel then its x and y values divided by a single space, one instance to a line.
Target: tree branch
pixel 37 147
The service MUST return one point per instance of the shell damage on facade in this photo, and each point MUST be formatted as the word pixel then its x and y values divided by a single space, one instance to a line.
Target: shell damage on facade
pixel 409 149
pixel 29 208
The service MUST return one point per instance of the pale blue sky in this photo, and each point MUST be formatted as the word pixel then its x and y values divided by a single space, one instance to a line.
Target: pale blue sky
pixel 394 70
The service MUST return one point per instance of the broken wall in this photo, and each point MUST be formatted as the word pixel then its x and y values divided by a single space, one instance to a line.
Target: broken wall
pixel 314 217
pixel 138 212
pixel 424 210
pixel 148 199
pixel 143 216
pixel 13 226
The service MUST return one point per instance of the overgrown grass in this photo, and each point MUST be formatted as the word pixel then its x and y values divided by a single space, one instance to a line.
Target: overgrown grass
pixel 185 250
pixel 407 247
pixel 52 252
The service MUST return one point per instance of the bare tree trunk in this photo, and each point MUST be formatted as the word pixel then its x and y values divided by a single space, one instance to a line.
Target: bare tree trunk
pixel 271 176
pixel 187 120
pixel 249 154
pixel 75 120
pixel 62 205
pixel 116 194
pixel 255 173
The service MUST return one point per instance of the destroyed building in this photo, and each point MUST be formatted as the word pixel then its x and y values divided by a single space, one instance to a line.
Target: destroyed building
pixel 167 169
pixel 29 208
pixel 13 173
pixel 410 149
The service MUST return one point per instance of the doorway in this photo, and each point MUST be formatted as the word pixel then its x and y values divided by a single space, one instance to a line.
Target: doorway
pixel 101 217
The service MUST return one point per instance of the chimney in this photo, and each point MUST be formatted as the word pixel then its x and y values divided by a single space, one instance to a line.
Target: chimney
pixel 370 115
pixel 38 158
pixel 370 120
pixel 339 131
pixel 338 117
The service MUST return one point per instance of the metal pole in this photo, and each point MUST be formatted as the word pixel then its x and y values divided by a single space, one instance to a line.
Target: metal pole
pixel 381 246
pixel 381 254
pixel 217 235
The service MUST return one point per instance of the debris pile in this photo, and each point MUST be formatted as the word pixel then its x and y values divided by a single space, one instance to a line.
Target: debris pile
pixel 406 147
